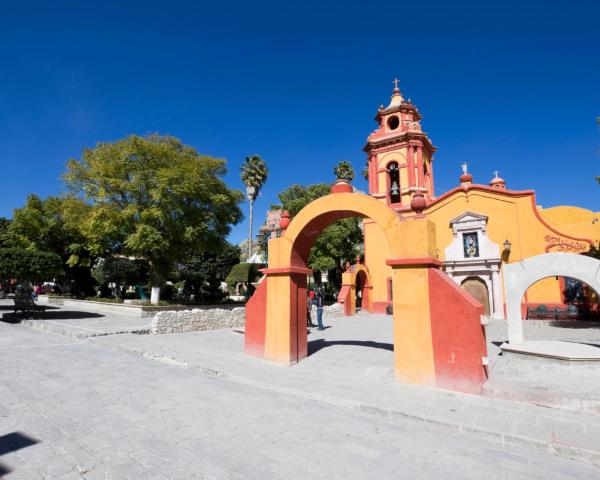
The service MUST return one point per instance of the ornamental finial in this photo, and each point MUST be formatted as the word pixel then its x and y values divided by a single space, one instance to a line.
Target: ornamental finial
pixel 395 82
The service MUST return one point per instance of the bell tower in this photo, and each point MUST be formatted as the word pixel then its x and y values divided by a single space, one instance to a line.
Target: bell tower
pixel 400 156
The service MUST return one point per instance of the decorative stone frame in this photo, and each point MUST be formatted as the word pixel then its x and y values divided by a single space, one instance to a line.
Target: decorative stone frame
pixel 486 266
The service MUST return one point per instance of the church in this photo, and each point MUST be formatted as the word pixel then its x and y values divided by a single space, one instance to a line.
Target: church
pixel 442 266
pixel 478 226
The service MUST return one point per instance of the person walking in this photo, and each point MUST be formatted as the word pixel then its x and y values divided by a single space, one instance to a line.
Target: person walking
pixel 319 304
pixel 309 304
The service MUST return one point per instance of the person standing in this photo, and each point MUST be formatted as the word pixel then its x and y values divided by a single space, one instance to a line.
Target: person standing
pixel 319 304
pixel 309 304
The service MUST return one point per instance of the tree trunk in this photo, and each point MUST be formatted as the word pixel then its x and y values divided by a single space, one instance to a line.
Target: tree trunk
pixel 250 230
pixel 155 295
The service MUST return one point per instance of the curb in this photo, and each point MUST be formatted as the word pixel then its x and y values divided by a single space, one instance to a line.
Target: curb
pixel 50 328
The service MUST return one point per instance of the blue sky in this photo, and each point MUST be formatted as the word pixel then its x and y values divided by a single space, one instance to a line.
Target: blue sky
pixel 513 86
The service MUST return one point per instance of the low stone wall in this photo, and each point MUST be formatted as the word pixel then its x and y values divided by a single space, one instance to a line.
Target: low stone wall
pixel 196 320
pixel 329 311
pixel 132 310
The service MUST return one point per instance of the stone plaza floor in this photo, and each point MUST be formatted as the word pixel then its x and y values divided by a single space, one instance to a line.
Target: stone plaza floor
pixel 194 406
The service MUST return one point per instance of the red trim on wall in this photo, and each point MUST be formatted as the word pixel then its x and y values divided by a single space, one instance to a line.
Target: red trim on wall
pixel 380 307
pixel 541 219
pixel 256 319
pixel 457 335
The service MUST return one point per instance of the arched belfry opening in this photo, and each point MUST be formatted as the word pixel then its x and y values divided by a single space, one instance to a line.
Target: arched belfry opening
pixel 428 348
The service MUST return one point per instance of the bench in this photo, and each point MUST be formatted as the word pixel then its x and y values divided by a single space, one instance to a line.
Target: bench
pixel 25 303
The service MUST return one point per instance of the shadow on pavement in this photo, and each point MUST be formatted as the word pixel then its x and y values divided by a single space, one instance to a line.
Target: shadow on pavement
pixel 12 307
pixel 15 441
pixel 316 345
pixel 580 324
pixel 12 442
pixel 58 315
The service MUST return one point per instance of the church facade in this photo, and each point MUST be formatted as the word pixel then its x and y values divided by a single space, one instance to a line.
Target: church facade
pixel 479 227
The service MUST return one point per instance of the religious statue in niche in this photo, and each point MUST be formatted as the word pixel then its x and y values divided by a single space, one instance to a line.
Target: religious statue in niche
pixel 471 245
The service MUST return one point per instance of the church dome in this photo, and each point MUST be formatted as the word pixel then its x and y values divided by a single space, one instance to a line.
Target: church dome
pixel 497 182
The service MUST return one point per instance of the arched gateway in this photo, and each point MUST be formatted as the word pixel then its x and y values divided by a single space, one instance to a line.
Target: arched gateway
pixel 438 338
pixel 519 276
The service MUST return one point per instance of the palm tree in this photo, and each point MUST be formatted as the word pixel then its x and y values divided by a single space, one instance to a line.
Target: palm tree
pixel 254 175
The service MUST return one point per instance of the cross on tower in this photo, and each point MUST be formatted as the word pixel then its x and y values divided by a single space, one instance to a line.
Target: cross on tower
pixel 395 82
pixel 496 172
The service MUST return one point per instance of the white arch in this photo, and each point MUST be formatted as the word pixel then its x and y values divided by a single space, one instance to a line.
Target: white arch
pixel 518 277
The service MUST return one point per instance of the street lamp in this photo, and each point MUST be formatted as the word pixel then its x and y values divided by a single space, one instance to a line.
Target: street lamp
pixel 507 245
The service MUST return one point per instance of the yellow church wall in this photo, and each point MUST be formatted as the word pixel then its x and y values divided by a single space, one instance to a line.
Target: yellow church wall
pixel 544 291
pixel 575 221
pixel 511 218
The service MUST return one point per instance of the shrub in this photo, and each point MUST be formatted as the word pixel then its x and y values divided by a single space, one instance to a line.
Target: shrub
pixel 29 265
pixel 242 273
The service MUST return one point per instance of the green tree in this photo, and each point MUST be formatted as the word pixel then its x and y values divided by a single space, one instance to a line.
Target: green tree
pixel 154 198
pixel 340 241
pixel 29 265
pixel 245 273
pixel 121 271
pixel 204 272
pixel 254 174
pixel 53 225
pixel 344 171
pixel 4 223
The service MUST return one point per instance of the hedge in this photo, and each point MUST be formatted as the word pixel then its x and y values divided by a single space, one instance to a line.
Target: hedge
pixel 242 273
pixel 29 265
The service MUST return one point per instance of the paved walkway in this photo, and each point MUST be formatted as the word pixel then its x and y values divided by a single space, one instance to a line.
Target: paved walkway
pixel 75 323
pixel 565 385
pixel 71 410
pixel 351 367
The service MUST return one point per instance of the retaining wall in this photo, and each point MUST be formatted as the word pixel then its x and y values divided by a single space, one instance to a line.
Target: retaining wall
pixel 197 320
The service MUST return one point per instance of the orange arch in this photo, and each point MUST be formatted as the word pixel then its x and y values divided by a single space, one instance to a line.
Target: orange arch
pixel 293 246
pixel 276 314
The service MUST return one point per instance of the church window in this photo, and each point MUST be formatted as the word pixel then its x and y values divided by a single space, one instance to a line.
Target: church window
pixel 393 123
pixel 394 182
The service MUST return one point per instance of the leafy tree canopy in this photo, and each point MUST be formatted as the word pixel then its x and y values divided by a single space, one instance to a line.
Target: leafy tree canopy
pixel 344 170
pixel 121 270
pixel 29 265
pixel 254 173
pixel 155 198
pixel 242 273
pixel 4 223
pixel 204 272
pixel 51 225
pixel 340 241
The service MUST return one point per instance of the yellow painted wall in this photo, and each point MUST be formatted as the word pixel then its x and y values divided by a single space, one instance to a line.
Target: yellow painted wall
pixel 377 251
pixel 510 218
pixel 576 221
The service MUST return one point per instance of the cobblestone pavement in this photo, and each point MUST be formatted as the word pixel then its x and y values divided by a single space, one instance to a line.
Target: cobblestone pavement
pixel 74 322
pixel 97 414
pixel 566 385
